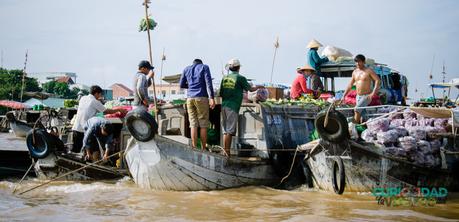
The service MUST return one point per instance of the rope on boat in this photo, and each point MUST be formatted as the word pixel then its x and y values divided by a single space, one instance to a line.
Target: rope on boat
pixel 66 174
pixel 23 177
pixel 332 106
pixel 291 167
pixel 383 116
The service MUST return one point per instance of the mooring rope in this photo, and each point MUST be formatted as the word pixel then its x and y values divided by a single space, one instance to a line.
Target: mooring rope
pixel 291 167
pixel 23 177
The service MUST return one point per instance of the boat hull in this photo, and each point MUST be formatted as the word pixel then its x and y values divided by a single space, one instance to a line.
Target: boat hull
pixel 20 129
pixel 165 164
pixel 56 165
pixel 366 169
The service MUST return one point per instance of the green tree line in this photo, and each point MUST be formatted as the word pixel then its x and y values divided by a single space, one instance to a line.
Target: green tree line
pixel 11 83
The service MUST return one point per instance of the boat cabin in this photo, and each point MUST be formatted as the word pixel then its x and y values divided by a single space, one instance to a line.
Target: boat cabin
pixel 446 99
pixel 261 128
pixel 393 83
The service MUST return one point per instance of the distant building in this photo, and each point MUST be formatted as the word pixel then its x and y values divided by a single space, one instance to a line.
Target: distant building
pixel 65 79
pixel 168 91
pixel 50 102
pixel 44 77
pixel 121 91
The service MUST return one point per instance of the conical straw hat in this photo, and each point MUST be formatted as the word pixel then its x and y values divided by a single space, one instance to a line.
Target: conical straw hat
pixel 314 44
pixel 306 67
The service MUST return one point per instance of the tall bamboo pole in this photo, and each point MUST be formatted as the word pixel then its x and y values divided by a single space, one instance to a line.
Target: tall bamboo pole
pixel 23 75
pixel 146 2
pixel 276 46
pixel 163 58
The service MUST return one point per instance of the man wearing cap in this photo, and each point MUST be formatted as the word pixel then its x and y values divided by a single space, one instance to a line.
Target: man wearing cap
pixel 299 85
pixel 98 133
pixel 362 77
pixel 313 57
pixel 197 79
pixel 142 82
pixel 88 107
pixel 231 89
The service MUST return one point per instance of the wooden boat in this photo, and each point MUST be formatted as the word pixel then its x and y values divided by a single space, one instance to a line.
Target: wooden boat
pixel 57 164
pixel 169 163
pixel 357 166
pixel 165 164
pixel 19 128
pixel 57 161
pixel 366 168
pixel 14 156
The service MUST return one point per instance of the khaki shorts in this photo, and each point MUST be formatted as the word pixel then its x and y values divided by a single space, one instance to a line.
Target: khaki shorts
pixel 198 112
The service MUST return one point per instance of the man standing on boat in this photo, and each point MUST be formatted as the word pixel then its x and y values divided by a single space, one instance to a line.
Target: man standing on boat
pixel 142 82
pixel 231 89
pixel 362 77
pixel 98 133
pixel 197 79
pixel 299 85
pixel 88 107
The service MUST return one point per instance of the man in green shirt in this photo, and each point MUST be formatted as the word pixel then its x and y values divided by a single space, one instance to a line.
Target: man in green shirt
pixel 231 89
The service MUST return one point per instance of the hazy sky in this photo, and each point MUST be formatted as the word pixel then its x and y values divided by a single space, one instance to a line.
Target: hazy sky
pixel 99 39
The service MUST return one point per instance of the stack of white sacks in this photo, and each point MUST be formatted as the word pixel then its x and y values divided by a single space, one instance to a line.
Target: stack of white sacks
pixel 340 56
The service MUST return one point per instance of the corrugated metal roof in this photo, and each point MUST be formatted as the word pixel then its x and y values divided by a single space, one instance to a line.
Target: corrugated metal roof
pixel 50 102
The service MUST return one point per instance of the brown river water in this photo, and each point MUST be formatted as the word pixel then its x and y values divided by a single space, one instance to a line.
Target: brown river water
pixel 123 201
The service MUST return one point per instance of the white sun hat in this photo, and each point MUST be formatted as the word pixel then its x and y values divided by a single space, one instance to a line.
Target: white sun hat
pixel 233 63
pixel 314 44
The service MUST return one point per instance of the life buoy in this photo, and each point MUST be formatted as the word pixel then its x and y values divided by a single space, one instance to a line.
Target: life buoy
pixel 39 143
pixel 338 169
pixel 336 129
pixel 141 124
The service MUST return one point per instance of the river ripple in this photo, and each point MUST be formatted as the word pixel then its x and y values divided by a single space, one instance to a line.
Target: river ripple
pixel 123 201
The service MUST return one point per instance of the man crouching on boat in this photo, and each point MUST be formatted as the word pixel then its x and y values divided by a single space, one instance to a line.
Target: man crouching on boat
pixel 362 77
pixel 88 107
pixel 231 89
pixel 98 133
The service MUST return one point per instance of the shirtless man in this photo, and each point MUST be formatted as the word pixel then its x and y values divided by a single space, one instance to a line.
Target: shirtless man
pixel 362 77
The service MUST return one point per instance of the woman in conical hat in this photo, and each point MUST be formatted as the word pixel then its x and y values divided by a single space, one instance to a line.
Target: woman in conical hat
pixel 313 57
pixel 299 85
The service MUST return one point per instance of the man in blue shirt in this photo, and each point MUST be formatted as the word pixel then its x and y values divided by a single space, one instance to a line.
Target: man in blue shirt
pixel 98 131
pixel 197 79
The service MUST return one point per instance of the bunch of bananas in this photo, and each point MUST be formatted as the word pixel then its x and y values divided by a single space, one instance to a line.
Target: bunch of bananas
pixel 143 24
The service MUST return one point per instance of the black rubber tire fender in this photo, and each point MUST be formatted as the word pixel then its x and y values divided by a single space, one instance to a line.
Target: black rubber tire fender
pixel 338 167
pixel 43 145
pixel 141 114
pixel 337 128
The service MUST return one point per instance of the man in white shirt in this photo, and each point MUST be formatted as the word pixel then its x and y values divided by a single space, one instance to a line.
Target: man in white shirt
pixel 88 107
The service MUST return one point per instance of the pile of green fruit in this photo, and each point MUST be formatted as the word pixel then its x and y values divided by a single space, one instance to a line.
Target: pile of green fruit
pixel 143 24
pixel 70 103
pixel 303 101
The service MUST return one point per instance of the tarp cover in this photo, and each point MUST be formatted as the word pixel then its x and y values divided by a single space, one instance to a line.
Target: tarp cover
pixel 13 104
pixel 438 113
